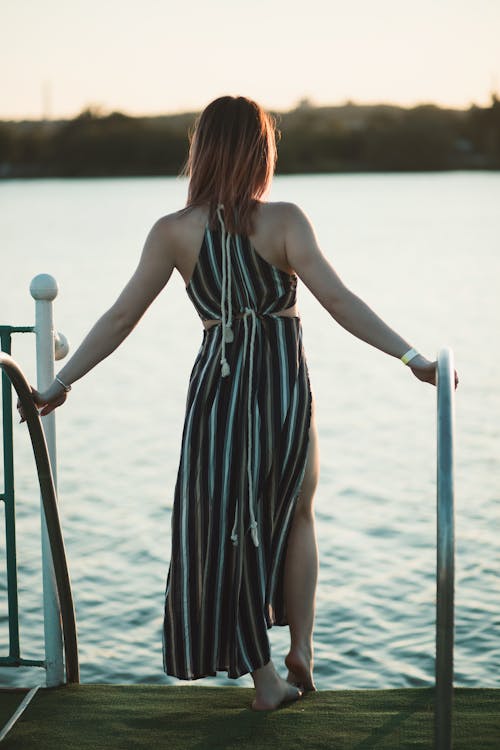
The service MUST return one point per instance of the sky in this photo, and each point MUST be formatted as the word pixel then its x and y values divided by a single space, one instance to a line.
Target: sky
pixel 58 57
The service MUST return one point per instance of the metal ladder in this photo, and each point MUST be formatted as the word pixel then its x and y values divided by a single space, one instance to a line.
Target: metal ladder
pixel 56 591
pixel 445 572
pixel 49 500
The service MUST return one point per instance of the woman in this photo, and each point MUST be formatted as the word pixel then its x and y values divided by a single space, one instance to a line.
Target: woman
pixel 244 553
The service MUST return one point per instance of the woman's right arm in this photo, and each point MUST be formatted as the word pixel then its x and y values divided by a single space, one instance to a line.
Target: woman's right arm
pixel 351 312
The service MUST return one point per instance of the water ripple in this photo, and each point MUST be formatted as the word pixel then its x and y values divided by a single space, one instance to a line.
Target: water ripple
pixel 375 505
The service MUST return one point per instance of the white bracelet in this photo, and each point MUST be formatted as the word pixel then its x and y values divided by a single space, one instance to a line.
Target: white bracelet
pixel 67 388
pixel 409 355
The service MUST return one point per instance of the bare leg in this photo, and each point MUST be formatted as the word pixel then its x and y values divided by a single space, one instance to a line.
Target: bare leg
pixel 272 690
pixel 301 571
pixel 301 574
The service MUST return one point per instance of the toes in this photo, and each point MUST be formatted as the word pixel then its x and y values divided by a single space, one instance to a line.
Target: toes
pixel 289 697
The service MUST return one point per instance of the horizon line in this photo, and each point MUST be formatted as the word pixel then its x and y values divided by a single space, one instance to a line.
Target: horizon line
pixel 304 103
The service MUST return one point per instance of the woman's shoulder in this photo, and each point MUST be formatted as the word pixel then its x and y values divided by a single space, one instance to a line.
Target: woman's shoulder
pixel 282 210
pixel 281 214
pixel 182 220
pixel 179 227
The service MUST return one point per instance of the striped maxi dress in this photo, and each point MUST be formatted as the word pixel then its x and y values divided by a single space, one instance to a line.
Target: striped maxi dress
pixel 243 457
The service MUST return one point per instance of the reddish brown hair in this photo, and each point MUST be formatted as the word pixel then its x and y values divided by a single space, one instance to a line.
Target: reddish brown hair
pixel 231 160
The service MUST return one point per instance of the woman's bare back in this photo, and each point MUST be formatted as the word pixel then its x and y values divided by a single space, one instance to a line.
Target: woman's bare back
pixel 187 228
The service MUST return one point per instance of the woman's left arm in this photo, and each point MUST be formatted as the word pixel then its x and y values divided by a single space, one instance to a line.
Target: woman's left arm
pixel 151 275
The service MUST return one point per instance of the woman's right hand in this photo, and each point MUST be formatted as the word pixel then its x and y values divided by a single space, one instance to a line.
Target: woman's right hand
pixel 425 370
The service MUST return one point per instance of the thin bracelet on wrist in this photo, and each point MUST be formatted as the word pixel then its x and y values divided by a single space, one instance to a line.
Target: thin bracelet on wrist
pixel 409 355
pixel 67 388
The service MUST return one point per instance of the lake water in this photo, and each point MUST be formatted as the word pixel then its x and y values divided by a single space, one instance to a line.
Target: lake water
pixel 424 251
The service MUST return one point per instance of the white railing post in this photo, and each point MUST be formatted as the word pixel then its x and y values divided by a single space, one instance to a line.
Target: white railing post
pixel 43 289
pixel 445 592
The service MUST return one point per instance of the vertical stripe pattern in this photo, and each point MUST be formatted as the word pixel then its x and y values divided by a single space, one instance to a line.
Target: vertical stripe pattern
pixel 223 592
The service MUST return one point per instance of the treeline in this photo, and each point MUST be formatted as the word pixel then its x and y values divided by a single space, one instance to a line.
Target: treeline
pixel 346 138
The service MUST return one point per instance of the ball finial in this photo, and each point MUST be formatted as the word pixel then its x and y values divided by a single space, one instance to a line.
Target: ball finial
pixel 44 286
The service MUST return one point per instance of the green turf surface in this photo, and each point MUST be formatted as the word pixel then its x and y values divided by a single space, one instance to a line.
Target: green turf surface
pixel 190 717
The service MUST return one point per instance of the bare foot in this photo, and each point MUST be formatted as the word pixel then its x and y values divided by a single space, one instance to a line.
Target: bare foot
pixel 275 694
pixel 299 670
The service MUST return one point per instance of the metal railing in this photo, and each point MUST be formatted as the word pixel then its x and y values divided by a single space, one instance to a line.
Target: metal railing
pixel 445 573
pixel 14 658
pixel 49 500
pixel 49 345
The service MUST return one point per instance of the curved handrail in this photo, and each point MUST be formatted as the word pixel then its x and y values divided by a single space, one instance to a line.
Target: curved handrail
pixel 49 500
pixel 445 549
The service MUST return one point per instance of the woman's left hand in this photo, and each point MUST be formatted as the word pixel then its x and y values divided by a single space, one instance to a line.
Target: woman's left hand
pixel 45 402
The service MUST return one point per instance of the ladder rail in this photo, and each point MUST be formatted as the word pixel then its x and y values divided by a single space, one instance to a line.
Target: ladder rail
pixel 8 498
pixel 49 500
pixel 445 562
